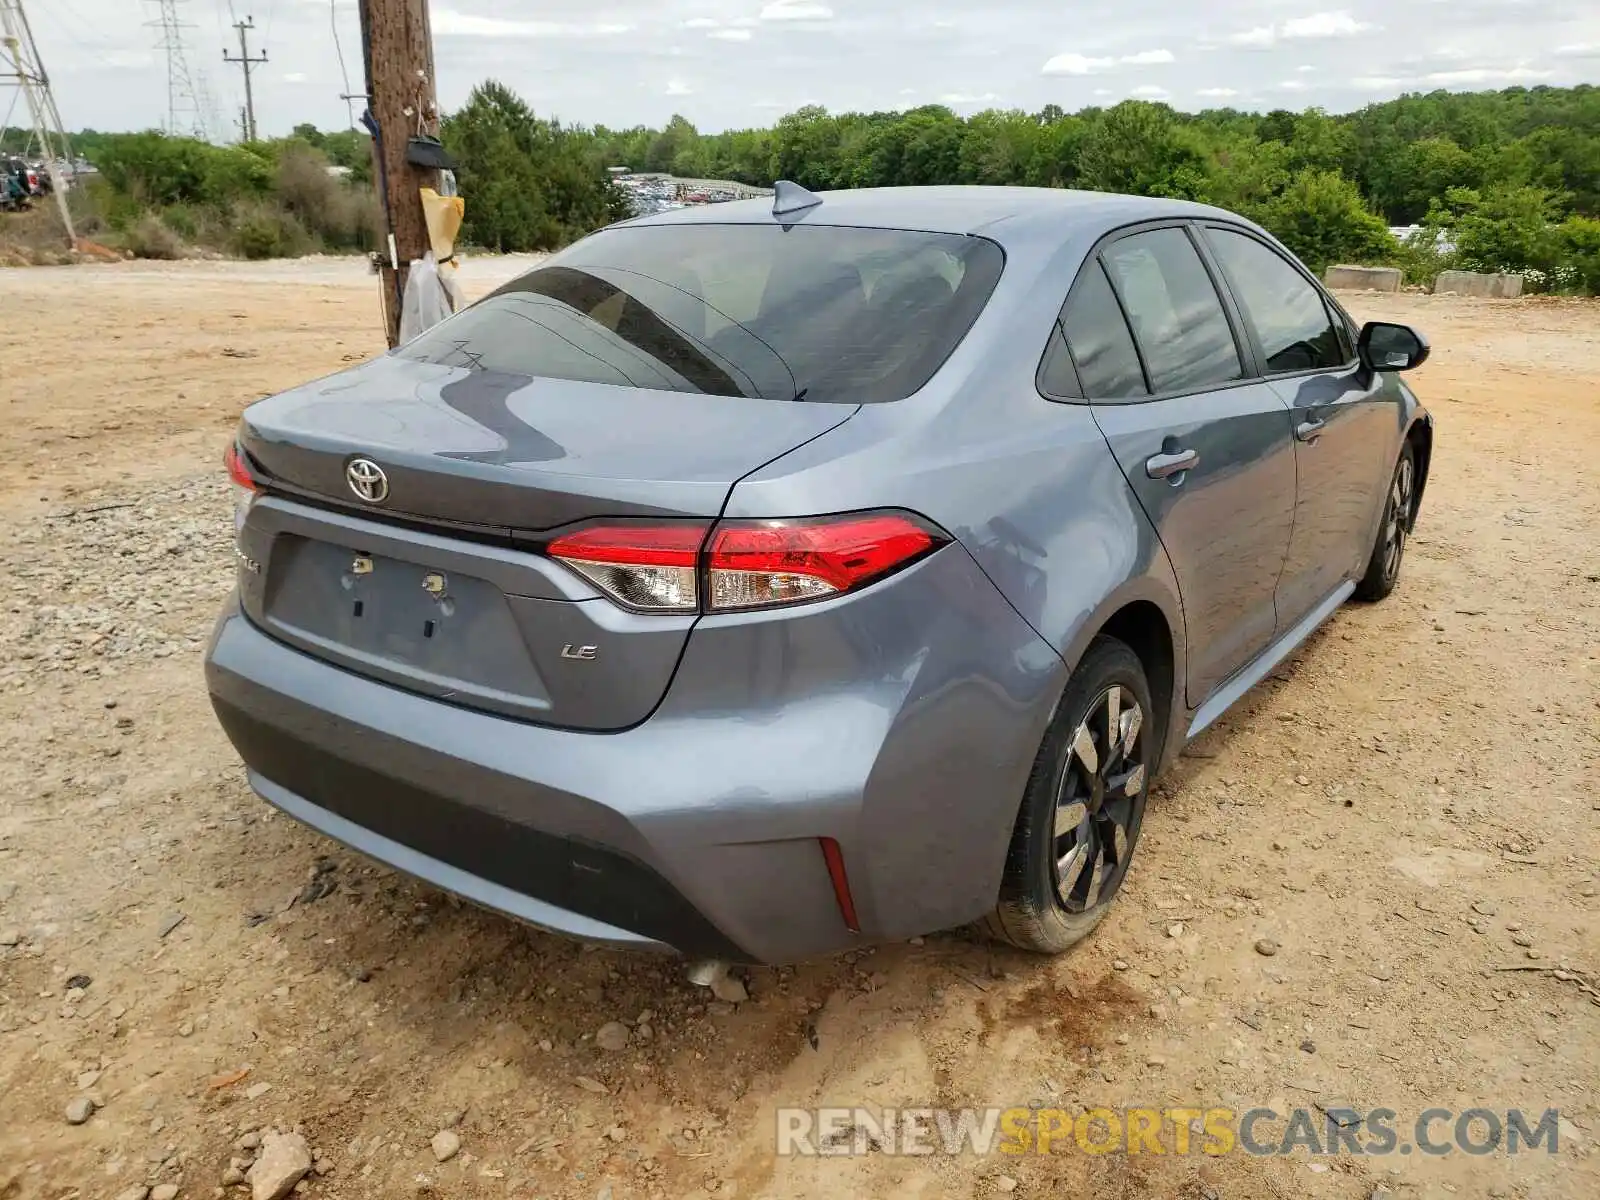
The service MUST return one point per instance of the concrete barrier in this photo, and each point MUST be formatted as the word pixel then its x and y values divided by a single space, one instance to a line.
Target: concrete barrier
pixel 1377 279
pixel 1474 283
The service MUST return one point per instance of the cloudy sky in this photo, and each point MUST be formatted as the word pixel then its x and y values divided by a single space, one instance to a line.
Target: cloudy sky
pixel 732 63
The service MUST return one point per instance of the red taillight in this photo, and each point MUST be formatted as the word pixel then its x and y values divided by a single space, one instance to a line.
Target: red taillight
pixel 653 568
pixel 745 564
pixel 761 563
pixel 237 471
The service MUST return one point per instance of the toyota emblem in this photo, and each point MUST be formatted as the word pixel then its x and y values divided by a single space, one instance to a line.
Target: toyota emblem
pixel 367 480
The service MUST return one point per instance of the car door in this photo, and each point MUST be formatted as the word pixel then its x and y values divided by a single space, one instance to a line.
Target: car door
pixel 1206 448
pixel 1343 422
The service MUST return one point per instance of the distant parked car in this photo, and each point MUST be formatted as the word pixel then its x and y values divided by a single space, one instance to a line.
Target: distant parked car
pixel 759 581
pixel 18 184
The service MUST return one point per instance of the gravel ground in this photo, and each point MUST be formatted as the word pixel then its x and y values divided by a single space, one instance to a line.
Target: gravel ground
pixel 1373 884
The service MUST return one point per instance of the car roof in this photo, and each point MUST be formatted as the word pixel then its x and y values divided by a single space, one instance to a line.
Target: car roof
pixel 1003 213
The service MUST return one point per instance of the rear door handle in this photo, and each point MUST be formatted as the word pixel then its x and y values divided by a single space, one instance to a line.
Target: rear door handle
pixel 1309 431
pixel 1160 466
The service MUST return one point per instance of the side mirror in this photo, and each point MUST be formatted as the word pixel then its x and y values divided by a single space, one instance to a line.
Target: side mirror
pixel 1384 346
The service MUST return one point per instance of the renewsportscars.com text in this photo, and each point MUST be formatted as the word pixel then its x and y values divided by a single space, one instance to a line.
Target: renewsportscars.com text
pixel 1175 1131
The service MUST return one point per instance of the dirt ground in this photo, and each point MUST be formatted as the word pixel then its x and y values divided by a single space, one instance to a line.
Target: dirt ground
pixel 1408 810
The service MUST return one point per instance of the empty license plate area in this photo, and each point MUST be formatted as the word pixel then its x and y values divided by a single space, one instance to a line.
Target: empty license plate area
pixel 443 632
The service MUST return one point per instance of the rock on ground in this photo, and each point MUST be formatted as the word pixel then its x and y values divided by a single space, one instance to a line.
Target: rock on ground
pixel 446 1144
pixel 285 1159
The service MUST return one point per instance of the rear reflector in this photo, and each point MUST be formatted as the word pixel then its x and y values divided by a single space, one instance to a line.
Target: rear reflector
pixel 763 563
pixel 746 564
pixel 834 857
pixel 649 568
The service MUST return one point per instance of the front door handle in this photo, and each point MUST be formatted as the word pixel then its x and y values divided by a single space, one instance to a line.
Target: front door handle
pixel 1309 431
pixel 1165 464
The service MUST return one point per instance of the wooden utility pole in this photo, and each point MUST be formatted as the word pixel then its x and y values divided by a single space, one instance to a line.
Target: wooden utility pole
pixel 397 44
pixel 244 27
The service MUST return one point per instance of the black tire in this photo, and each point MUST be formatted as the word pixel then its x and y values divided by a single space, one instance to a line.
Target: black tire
pixel 1037 910
pixel 1389 547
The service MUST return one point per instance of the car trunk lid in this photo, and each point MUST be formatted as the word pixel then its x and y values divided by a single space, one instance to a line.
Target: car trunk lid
pixel 439 586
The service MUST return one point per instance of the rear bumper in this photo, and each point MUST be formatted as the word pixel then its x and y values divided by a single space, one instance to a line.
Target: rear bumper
pixel 696 830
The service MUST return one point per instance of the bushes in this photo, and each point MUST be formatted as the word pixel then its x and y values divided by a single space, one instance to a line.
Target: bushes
pixel 264 230
pixel 150 237
pixel 340 215
pixel 155 169
pixel 1579 240
pixel 1321 217
pixel 261 200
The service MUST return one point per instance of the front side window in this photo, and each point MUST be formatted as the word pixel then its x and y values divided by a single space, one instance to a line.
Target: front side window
pixel 1176 314
pixel 814 313
pixel 1290 321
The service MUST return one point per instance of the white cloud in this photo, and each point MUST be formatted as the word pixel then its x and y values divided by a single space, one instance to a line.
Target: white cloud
pixel 1076 64
pixel 1079 64
pixel 1486 75
pixel 1318 25
pixel 1303 68
pixel 295 77
pixel 1579 50
pixel 1261 35
pixel 730 35
pixel 1216 91
pixel 700 23
pixel 1150 92
pixel 961 98
pixel 796 10
pixel 1291 85
pixel 1147 58
pixel 745 22
pixel 908 91
pixel 1102 91
pixel 1376 83
pixel 677 87
pixel 447 22
pixel 1325 25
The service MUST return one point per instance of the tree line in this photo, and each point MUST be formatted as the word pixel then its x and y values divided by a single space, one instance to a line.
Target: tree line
pixel 1506 180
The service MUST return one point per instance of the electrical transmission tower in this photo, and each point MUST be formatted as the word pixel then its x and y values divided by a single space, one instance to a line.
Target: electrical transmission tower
pixel 21 69
pixel 186 109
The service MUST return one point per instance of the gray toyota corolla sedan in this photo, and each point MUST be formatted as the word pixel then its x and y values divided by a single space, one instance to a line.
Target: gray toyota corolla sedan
pixel 763 579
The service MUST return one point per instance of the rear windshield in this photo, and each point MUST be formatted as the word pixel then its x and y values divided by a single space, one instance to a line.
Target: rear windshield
pixel 814 313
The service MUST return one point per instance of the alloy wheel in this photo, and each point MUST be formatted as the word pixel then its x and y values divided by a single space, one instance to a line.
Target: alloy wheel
pixel 1398 517
pixel 1096 801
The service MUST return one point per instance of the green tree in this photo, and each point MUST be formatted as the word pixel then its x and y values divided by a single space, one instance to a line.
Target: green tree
pixel 1323 219
pixel 1140 148
pixel 529 183
pixel 1504 229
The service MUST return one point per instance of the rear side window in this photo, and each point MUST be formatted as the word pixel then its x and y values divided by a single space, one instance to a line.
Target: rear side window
pixel 1287 313
pixel 814 313
pixel 1099 339
pixel 1057 377
pixel 1176 314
